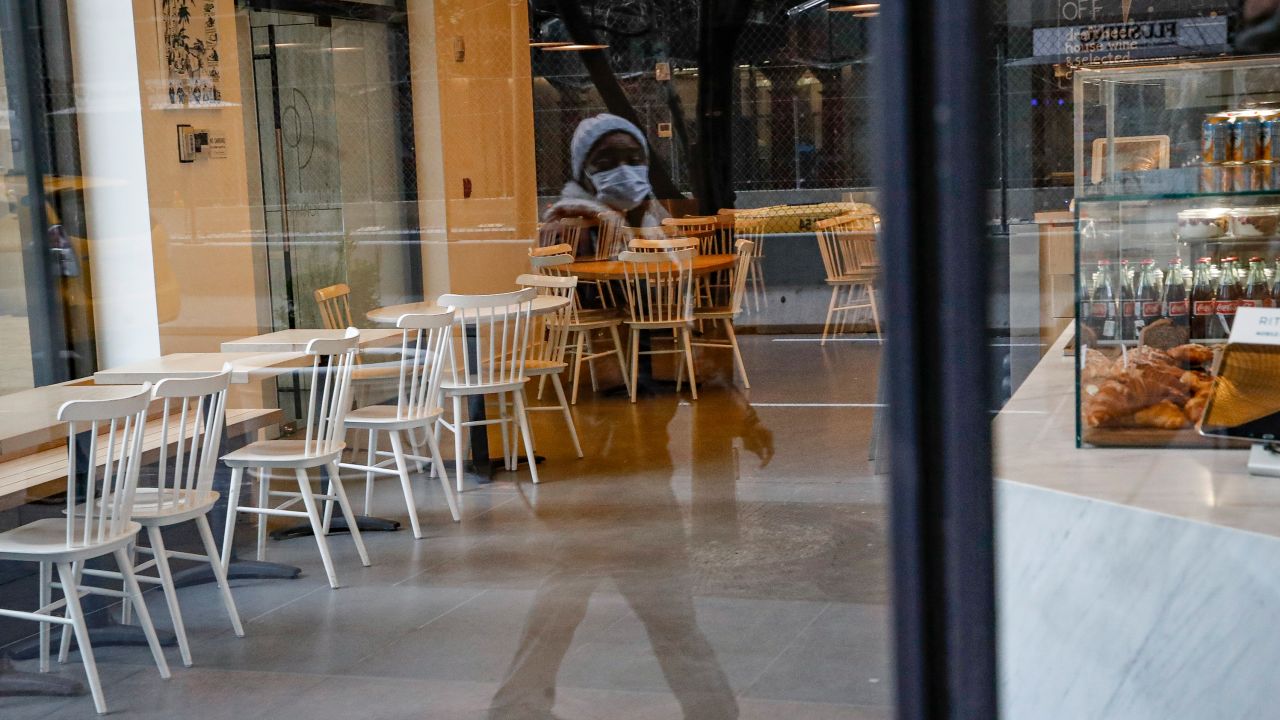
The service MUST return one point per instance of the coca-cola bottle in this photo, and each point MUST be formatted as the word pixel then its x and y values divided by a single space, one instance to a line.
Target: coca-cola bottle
pixel 1146 297
pixel 1229 294
pixel 1202 299
pixel 1128 315
pixel 1105 315
pixel 1175 295
pixel 1256 291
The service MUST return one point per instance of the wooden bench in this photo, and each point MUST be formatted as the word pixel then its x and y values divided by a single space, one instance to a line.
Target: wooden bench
pixel 44 472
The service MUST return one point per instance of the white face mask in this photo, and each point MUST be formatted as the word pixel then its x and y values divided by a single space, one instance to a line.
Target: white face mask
pixel 622 188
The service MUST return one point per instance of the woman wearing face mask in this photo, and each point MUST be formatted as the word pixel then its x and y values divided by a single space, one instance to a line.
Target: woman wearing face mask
pixel 609 159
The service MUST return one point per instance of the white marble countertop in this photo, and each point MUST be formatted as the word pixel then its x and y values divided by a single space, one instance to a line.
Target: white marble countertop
pixel 1035 445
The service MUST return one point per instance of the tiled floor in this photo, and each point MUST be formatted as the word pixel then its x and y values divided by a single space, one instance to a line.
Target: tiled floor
pixel 669 574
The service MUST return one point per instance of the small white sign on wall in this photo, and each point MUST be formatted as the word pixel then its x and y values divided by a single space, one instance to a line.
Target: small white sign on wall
pixel 217 149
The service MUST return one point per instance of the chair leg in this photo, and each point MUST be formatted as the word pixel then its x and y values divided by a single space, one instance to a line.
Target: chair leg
pixel 831 308
pixel 397 449
pixel 211 550
pixel 228 530
pixel 506 432
pixel 335 483
pixel 635 362
pixel 875 309
pixel 458 457
pixel 737 353
pixel 46 597
pixel 523 417
pixel 688 357
pixel 317 528
pixel 437 461
pixel 170 592
pixel 144 615
pixel 591 362
pixel 126 607
pixel 577 366
pixel 64 648
pixel 568 416
pixel 264 500
pixel 416 447
pixel 370 460
pixel 72 592
pixel 622 360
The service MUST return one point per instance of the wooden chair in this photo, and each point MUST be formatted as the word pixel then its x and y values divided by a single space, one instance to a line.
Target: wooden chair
pixel 195 408
pixel 662 245
pixel 494 332
pixel 727 314
pixel 612 236
pixel 752 229
pixel 320 447
pixel 547 343
pixel 660 295
pixel 113 429
pixel 569 231
pixel 561 249
pixel 702 229
pixel 422 352
pixel 845 247
pixel 582 325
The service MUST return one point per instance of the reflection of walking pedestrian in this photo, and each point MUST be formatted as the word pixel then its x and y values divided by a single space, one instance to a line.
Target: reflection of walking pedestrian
pixel 637 539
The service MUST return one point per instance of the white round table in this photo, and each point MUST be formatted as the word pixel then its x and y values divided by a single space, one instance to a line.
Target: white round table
pixel 390 315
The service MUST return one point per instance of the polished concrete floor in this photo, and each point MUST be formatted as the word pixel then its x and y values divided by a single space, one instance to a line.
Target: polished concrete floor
pixel 712 559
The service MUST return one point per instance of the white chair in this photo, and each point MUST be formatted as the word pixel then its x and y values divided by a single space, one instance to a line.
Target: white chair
pixel 659 289
pixel 727 314
pixel 494 335
pixel 582 324
pixel 752 228
pixel 547 342
pixel 322 446
pixel 422 351
pixel 660 245
pixel 114 435
pixel 195 410
pixel 851 263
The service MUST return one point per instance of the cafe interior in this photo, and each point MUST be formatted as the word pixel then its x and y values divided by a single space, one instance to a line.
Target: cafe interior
pixel 355 360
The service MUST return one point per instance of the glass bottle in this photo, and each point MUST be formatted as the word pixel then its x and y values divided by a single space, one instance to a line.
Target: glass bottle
pixel 1174 300
pixel 1202 298
pixel 1229 294
pixel 1146 298
pixel 1256 291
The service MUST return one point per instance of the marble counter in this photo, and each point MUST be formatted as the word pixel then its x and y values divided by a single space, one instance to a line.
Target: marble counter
pixel 1135 583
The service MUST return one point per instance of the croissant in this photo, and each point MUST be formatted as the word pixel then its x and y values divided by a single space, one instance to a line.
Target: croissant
pixel 1147 355
pixel 1135 389
pixel 1197 382
pixel 1164 415
pixel 1194 409
pixel 1192 354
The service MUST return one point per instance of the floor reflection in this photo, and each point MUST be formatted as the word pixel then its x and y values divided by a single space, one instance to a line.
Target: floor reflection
pixel 642 547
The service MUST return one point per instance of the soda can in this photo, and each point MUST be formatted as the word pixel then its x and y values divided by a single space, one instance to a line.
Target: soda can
pixel 1215 139
pixel 1270 130
pixel 1213 178
pixel 1246 139
pixel 1266 175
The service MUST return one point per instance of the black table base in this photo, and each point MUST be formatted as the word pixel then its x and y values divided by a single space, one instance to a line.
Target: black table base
pixel 13 683
pixel 338 524
pixel 104 631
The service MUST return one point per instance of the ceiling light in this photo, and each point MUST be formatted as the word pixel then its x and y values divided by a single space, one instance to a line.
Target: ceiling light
pixel 548 43
pixel 861 8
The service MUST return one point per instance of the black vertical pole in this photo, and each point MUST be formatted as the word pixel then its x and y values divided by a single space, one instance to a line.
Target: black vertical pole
pixel 934 144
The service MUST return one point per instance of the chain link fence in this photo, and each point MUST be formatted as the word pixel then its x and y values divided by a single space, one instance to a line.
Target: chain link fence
pixel 802 99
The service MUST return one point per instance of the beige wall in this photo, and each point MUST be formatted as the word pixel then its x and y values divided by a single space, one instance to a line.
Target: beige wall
pixel 199 211
pixel 474 120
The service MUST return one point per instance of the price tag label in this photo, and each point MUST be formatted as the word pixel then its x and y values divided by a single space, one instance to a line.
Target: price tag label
pixel 1256 326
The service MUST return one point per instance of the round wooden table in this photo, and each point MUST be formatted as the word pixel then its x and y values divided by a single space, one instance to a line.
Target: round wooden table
pixel 613 270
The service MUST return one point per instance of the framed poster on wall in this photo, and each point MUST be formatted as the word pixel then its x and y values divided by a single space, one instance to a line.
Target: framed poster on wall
pixel 189 52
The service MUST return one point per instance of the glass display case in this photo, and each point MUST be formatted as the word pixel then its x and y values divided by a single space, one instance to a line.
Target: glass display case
pixel 1159 280
pixel 1176 127
pixel 1177 213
